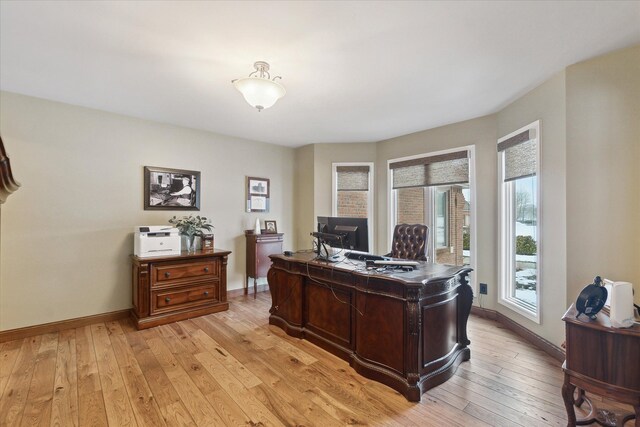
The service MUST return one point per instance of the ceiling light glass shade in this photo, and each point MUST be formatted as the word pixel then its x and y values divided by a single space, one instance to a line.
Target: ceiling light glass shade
pixel 259 92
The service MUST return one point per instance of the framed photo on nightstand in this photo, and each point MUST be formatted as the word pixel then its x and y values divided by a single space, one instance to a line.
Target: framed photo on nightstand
pixel 270 227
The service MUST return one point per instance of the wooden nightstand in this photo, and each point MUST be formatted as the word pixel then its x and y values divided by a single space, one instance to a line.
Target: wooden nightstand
pixel 602 360
pixel 259 247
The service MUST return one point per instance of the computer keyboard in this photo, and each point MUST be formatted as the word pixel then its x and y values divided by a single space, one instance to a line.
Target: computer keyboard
pixel 396 262
pixel 358 256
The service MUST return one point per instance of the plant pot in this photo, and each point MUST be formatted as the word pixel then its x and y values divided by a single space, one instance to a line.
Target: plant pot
pixel 191 244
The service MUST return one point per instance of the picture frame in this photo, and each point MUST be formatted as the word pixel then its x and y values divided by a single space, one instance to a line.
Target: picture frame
pixel 207 242
pixel 171 189
pixel 258 193
pixel 270 227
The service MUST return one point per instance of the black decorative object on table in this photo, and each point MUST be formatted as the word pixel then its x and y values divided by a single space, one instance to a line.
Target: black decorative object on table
pixel 592 298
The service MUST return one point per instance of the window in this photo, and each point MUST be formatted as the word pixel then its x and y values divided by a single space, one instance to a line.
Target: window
pixel 441 234
pixel 410 206
pixel 519 191
pixel 353 193
pixel 435 189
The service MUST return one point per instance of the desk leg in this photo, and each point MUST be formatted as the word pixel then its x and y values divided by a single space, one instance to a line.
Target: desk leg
pixel 580 400
pixel 246 284
pixel 567 396
pixel 465 298
pixel 602 417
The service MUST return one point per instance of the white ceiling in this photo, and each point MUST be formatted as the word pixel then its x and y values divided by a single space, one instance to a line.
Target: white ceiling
pixel 354 71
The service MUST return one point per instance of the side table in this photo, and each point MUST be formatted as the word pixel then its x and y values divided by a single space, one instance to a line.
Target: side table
pixel 259 247
pixel 604 361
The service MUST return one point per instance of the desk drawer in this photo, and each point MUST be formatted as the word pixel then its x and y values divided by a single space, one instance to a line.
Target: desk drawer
pixel 186 297
pixel 173 272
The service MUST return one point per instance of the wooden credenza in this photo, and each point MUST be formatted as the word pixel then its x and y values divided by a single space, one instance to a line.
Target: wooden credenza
pixel 259 247
pixel 407 330
pixel 602 360
pixel 171 288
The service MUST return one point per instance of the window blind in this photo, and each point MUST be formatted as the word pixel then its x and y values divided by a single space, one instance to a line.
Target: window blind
pixel 520 156
pixel 353 178
pixel 444 169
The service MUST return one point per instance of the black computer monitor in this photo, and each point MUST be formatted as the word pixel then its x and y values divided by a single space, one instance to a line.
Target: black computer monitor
pixel 354 232
pixel 323 224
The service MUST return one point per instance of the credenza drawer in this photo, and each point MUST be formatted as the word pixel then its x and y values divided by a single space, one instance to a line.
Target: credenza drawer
pixel 178 299
pixel 171 272
pixel 178 287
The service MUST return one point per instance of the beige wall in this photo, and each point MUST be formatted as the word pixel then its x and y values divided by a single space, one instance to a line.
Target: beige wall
pixel 67 233
pixel 304 196
pixel 547 104
pixel 603 170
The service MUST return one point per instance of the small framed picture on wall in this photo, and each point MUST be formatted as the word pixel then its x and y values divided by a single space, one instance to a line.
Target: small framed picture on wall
pixel 258 194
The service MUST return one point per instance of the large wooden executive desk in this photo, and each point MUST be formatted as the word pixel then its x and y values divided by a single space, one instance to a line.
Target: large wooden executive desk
pixel 407 330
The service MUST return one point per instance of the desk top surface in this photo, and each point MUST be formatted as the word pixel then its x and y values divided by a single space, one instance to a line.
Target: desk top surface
pixel 423 273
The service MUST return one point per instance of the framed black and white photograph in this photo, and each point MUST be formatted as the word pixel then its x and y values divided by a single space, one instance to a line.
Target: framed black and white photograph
pixel 270 227
pixel 171 189
pixel 258 194
pixel 259 186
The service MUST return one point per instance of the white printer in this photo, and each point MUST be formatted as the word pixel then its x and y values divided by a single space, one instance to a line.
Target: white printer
pixel 156 240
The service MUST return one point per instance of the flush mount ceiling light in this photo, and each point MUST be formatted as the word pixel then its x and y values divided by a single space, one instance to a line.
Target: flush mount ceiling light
pixel 259 89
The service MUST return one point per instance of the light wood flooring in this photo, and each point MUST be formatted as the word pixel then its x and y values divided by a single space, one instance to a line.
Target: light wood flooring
pixel 232 368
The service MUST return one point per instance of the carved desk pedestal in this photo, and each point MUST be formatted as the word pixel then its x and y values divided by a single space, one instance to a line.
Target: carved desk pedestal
pixel 406 330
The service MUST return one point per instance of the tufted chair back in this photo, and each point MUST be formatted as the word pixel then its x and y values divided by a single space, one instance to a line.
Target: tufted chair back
pixel 410 242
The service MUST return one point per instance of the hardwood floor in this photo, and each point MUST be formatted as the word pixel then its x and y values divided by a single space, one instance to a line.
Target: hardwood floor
pixel 232 368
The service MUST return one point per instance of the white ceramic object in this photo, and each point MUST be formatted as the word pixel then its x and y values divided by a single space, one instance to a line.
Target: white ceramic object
pixel 622 305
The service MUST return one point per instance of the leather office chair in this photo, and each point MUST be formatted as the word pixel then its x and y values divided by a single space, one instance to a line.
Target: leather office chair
pixel 410 242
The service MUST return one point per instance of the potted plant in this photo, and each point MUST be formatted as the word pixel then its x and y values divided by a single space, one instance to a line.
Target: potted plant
pixel 190 227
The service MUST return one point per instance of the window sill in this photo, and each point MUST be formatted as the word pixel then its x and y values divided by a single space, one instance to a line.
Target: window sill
pixel 520 308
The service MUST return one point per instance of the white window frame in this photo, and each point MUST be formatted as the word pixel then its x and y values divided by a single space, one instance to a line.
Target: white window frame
pixel 392 201
pixel 506 234
pixel 370 210
pixel 447 196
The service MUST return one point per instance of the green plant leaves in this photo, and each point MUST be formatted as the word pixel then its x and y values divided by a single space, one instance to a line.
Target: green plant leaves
pixel 190 225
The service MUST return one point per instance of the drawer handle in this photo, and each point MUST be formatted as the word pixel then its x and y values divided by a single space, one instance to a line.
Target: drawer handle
pixel 167 274
pixel 206 293
pixel 206 269
pixel 167 300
